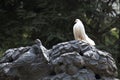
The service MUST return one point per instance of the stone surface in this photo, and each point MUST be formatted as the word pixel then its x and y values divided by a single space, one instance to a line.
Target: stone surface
pixel 72 60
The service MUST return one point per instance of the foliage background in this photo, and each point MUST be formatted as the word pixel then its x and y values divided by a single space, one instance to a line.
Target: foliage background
pixel 23 21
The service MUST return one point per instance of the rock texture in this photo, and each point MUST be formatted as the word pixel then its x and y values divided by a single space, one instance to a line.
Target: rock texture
pixel 72 60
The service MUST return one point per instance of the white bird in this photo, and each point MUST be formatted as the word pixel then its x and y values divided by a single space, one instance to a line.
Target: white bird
pixel 79 32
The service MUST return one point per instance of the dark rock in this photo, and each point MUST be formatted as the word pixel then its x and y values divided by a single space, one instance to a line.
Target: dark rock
pixel 72 60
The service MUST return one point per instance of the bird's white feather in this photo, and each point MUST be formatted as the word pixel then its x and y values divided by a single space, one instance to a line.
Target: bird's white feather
pixel 79 32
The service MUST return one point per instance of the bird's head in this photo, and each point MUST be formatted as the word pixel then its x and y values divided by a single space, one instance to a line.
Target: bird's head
pixel 77 20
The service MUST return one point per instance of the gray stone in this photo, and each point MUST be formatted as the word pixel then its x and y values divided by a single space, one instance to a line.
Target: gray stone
pixel 72 60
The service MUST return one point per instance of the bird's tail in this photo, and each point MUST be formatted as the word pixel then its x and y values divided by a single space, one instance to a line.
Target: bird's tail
pixel 90 41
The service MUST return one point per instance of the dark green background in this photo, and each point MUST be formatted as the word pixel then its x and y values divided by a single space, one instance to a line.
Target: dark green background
pixel 23 21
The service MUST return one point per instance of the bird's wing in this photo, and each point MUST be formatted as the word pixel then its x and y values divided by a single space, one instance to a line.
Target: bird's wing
pixel 79 32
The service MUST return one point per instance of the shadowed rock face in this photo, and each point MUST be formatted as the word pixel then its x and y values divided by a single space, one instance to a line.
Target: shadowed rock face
pixel 72 60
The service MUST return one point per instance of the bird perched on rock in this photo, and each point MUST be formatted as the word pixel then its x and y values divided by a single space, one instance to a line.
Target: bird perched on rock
pixel 79 32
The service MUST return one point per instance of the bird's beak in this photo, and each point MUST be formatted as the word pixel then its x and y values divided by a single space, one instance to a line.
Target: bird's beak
pixel 76 20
